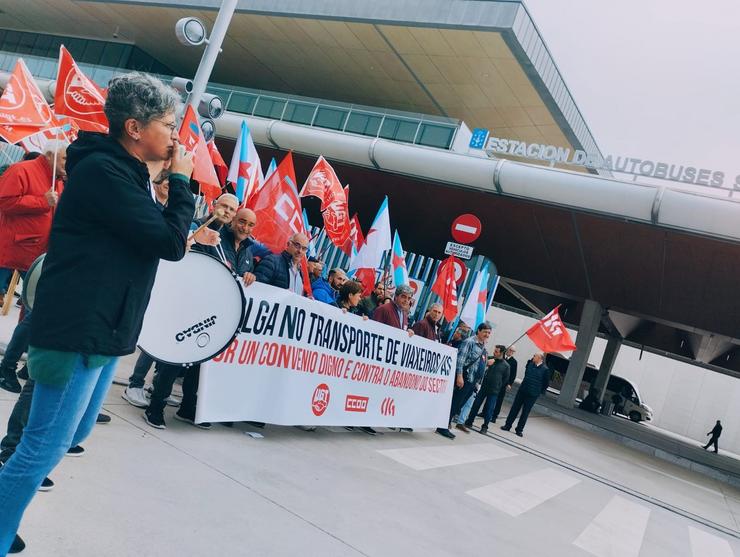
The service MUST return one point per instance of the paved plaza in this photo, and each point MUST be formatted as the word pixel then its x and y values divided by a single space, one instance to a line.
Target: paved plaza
pixel 558 491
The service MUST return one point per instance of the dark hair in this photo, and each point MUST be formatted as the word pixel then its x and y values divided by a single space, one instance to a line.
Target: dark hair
pixel 348 289
pixel 485 325
pixel 501 348
pixel 31 155
pixel 163 175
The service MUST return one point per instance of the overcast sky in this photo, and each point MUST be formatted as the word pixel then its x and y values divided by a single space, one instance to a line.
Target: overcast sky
pixel 654 79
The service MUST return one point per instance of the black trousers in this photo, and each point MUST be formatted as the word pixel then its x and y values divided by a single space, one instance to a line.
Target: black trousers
pixel 499 402
pixel 523 402
pixel 712 441
pixel 17 421
pixel 164 379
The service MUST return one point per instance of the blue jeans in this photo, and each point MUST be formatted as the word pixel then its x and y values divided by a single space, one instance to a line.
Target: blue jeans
pixel 60 418
pixel 465 410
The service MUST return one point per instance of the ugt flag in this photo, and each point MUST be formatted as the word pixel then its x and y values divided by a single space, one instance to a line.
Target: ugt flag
pixel 550 334
pixel 79 97
pixel 23 109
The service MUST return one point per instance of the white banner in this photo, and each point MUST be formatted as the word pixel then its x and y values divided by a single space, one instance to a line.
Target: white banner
pixel 302 362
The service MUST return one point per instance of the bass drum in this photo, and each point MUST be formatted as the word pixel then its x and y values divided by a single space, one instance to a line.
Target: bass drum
pixel 28 293
pixel 195 310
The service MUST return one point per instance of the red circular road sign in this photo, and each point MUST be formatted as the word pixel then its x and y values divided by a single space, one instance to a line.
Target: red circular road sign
pixel 461 271
pixel 466 228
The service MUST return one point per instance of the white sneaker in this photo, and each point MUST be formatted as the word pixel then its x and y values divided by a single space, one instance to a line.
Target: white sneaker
pixel 172 401
pixel 135 397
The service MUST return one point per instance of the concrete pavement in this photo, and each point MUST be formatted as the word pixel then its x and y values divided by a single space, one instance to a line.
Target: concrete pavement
pixel 185 491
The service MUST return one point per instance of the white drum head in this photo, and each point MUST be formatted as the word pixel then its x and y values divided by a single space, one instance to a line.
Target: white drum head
pixel 195 310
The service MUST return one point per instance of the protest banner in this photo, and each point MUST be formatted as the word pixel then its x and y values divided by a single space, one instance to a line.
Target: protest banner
pixel 301 362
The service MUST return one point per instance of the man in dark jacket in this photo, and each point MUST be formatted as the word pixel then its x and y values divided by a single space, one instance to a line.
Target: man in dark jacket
pixel 715 433
pixel 369 303
pixel 535 382
pixel 429 326
pixel 506 387
pixel 106 242
pixel 283 270
pixel 496 377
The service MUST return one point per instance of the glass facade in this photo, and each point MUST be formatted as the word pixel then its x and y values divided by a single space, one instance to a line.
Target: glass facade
pixel 84 51
pixel 102 60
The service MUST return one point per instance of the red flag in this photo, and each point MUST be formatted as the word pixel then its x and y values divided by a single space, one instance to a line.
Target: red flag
pixel 367 277
pixel 23 109
pixel 550 335
pixel 78 97
pixel 277 207
pixel 323 183
pixel 192 139
pixel 222 170
pixel 446 288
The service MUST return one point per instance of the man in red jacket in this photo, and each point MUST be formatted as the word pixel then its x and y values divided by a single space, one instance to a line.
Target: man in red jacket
pixel 429 326
pixel 27 202
pixel 396 314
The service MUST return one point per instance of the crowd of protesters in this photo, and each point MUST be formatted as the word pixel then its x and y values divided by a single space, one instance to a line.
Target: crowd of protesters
pixel 150 209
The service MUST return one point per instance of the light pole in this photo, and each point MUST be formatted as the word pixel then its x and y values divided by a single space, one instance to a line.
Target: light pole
pixel 191 32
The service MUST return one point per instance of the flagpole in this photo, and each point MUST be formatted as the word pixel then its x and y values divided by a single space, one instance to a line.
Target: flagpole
pixel 56 153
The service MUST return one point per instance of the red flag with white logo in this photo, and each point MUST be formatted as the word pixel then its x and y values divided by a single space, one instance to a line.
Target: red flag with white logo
pixel 445 287
pixel 78 97
pixel 323 183
pixel 23 108
pixel 191 137
pixel 277 207
pixel 550 334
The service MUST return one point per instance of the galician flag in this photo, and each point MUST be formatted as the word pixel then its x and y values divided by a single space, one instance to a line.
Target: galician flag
pixel 271 168
pixel 398 261
pixel 245 171
pixel 370 255
pixel 474 310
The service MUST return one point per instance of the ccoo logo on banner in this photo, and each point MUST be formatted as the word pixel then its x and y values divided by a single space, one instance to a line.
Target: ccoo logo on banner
pixel 302 362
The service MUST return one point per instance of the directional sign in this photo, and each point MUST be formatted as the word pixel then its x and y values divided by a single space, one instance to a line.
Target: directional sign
pixel 459 250
pixel 466 228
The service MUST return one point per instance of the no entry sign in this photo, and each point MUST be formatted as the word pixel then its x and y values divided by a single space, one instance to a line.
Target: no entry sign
pixel 466 228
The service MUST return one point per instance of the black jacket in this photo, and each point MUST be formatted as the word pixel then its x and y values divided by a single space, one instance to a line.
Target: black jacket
pixel 274 270
pixel 240 260
pixel 513 365
pixel 106 242
pixel 716 431
pixel 536 379
pixel 496 376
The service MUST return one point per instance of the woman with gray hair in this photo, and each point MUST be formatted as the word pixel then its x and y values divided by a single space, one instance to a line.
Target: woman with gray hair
pixel 106 242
